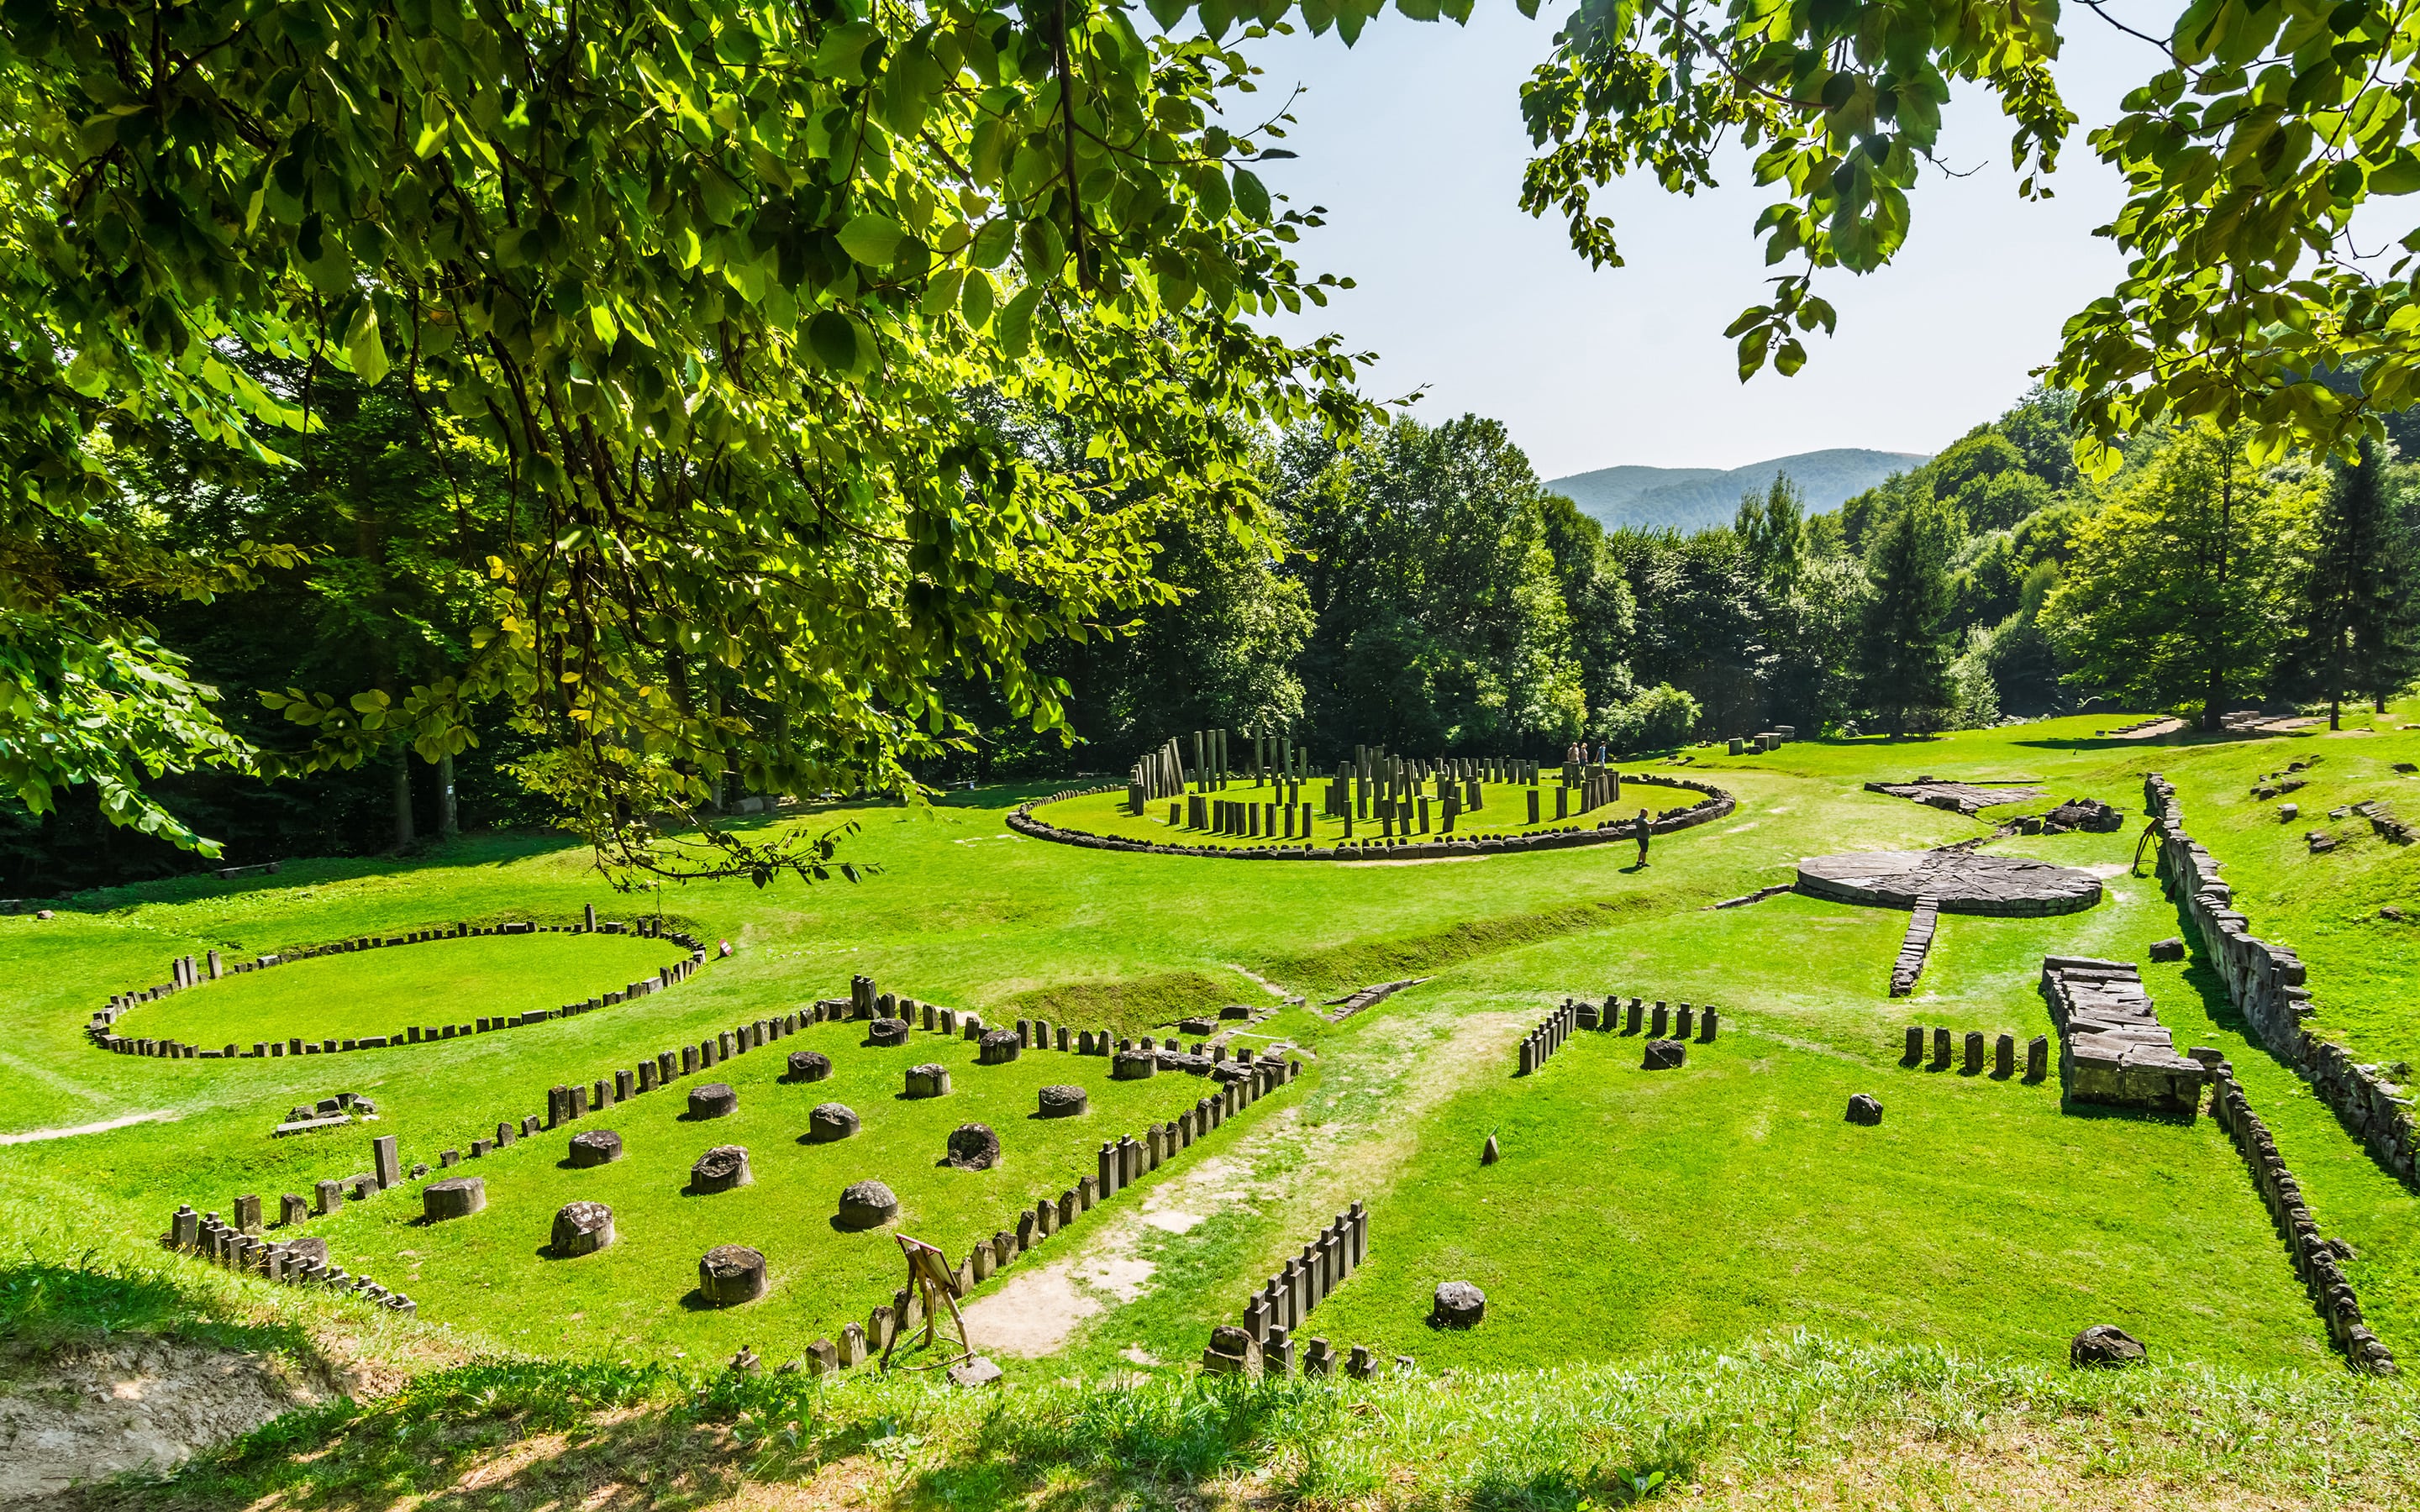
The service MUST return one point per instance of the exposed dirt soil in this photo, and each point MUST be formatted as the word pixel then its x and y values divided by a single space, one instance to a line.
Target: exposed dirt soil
pixel 131 1405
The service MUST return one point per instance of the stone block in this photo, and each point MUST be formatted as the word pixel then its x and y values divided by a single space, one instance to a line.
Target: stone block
pixel 1457 1305
pixel 1061 1101
pixel 1864 1110
pixel 931 1079
pixel 595 1146
pixel 457 1197
pixel 714 1099
pixel 1665 1055
pixel 731 1273
pixel 583 1228
pixel 973 1147
pixel 830 1122
pixel 867 1204
pixel 723 1168
pixel 808 1066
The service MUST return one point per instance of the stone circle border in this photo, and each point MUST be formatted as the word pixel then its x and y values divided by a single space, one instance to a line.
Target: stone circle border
pixel 1717 804
pixel 186 974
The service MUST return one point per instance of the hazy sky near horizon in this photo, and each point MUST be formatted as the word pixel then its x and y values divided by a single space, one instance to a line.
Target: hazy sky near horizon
pixel 1412 140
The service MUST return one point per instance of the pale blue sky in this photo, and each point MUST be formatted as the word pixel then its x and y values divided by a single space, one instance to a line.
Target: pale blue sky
pixel 1413 141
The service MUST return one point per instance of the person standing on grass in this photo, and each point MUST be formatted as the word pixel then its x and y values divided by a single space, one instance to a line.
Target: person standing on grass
pixel 1639 828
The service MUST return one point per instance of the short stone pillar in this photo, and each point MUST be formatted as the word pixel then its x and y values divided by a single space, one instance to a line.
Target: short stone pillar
pixel 583 1228
pixel 723 1168
pixel 973 1147
pixel 998 1047
pixel 595 1146
pixel 1973 1052
pixel 457 1197
pixel 327 1197
pixel 1231 1352
pixel 887 1032
pixel 1941 1049
pixel 931 1079
pixel 2038 1058
pixel 712 1100
pixel 1661 1024
pixel 2004 1055
pixel 829 1123
pixel 386 1167
pixel 808 1066
pixel 731 1273
pixel 1061 1101
pixel 867 1204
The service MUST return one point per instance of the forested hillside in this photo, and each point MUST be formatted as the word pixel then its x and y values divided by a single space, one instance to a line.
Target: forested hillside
pixel 1421 588
pixel 1691 498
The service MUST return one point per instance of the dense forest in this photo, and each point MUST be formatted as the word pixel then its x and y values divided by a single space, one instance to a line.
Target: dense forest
pixel 1425 593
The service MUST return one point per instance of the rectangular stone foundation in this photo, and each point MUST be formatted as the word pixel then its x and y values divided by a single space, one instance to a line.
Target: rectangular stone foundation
pixel 2113 1050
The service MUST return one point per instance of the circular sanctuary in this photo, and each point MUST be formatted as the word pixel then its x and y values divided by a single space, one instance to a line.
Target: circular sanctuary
pixel 1261 805
pixel 412 1000
pixel 1954 882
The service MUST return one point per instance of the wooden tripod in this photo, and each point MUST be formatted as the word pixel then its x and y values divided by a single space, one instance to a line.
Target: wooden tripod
pixel 929 1280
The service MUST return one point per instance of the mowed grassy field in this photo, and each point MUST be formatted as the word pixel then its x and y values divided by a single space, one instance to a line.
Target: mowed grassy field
pixel 493 1271
pixel 1632 1213
pixel 397 988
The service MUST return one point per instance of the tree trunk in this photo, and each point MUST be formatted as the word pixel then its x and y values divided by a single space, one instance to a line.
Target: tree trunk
pixel 403 834
pixel 449 820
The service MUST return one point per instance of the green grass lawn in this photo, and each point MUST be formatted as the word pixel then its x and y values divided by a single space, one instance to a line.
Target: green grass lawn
pixel 1504 809
pixel 385 991
pixel 1637 1209
pixel 1632 1213
pixel 491 1273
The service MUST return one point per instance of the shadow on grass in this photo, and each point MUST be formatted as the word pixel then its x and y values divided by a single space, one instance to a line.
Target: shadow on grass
pixel 2203 976
pixel 46 1307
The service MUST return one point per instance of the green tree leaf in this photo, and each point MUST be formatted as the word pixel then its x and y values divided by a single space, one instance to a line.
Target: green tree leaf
pixel 873 239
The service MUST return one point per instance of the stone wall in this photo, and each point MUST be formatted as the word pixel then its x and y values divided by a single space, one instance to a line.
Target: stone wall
pixel 2315 1260
pixel 185 973
pixel 2265 983
pixel 1715 804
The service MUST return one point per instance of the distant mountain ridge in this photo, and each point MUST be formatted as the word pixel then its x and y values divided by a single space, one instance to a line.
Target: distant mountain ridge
pixel 1689 498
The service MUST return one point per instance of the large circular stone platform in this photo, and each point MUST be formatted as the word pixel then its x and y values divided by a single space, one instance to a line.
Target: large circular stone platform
pixel 1959 881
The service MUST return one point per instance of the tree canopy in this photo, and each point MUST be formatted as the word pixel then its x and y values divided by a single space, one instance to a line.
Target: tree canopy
pixel 2246 157
pixel 711 278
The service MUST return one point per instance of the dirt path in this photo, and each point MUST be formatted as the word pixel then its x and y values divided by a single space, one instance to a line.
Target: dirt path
pixel 35 1135
pixel 1376 1099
